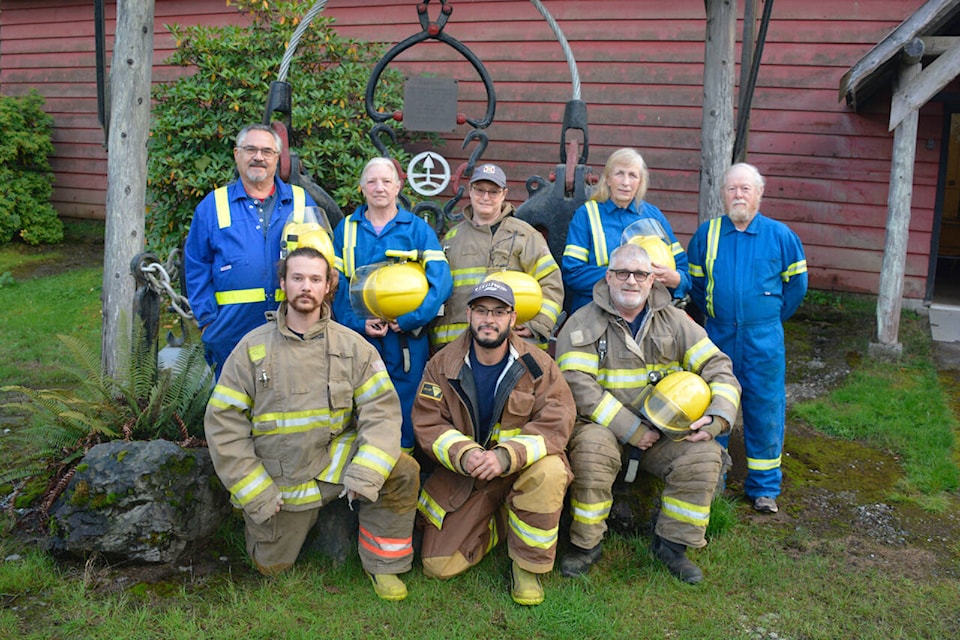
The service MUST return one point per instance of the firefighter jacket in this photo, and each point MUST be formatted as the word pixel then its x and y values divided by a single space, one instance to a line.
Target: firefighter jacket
pixel 534 405
pixel 230 263
pixel 290 411
pixel 474 250
pixel 595 231
pixel 608 369
pixel 356 244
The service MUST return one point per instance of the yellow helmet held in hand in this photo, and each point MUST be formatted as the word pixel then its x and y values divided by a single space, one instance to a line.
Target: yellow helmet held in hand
pixel 657 249
pixel 388 290
pixel 526 292
pixel 676 402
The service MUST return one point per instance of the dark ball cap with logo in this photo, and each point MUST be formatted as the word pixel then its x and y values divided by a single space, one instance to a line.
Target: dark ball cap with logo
pixel 492 289
pixel 490 173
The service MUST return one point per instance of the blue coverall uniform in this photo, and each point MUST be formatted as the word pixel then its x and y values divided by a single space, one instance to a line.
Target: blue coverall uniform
pixel 230 263
pixel 593 235
pixel 747 284
pixel 356 244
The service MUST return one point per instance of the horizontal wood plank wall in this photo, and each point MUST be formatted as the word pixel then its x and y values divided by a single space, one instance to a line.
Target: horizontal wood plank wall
pixel 641 66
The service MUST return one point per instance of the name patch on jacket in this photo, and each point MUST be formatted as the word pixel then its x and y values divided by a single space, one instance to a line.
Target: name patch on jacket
pixel 432 391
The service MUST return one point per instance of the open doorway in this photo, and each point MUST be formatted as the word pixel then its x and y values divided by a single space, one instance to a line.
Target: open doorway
pixel 944 286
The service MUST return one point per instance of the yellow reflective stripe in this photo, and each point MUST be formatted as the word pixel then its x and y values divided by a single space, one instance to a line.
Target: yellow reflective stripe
pixel 299 421
pixel 340 448
pixel 544 267
pixel 445 333
pixel 377 384
pixel 442 445
pixel 499 434
pixel 623 378
pixel 606 409
pixel 305 493
pixel 241 296
pixel 596 230
pixel 222 204
pixel 726 391
pixel 299 203
pixel 434 255
pixel 697 355
pixel 794 269
pixel 279 295
pixel 251 485
pixel 494 537
pixel 227 398
pixel 579 361
pixel 576 252
pixel 530 535
pixel 676 249
pixel 430 509
pixel 696 271
pixel 759 464
pixel 470 276
pixel 695 514
pixel 550 309
pixel 375 459
pixel 349 245
pixel 535 446
pixel 590 513
pixel 713 244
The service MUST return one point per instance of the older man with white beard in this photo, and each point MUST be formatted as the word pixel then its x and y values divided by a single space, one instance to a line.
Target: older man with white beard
pixel 749 275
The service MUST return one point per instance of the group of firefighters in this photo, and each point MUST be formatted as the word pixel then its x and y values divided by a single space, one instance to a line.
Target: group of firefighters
pixel 390 356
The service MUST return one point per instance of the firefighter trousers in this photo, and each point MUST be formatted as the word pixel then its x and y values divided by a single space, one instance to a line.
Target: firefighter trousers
pixel 386 526
pixel 690 471
pixel 526 505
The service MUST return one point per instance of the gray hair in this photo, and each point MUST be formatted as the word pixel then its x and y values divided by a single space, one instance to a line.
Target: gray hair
pixel 757 179
pixel 627 251
pixel 242 136
pixel 382 162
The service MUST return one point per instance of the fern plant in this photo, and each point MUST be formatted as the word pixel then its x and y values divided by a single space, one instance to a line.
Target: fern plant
pixel 139 403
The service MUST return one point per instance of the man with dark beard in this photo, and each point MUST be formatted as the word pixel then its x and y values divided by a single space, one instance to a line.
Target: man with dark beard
pixel 495 414
pixel 305 413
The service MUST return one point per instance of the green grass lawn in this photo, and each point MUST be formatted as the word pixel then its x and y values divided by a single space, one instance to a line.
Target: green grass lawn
pixel 764 578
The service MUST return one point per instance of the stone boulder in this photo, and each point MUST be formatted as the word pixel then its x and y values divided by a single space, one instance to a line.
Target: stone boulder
pixel 142 501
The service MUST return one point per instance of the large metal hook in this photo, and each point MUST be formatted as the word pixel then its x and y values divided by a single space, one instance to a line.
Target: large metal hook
pixel 465 171
pixel 375 132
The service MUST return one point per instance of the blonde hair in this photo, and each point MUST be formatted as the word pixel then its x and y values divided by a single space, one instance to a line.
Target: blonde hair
pixel 620 157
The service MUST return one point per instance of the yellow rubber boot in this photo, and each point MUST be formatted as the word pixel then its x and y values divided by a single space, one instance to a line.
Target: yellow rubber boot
pixel 526 588
pixel 388 587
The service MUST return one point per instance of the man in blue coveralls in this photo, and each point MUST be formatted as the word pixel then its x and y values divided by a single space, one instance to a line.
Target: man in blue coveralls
pixel 749 275
pixel 231 255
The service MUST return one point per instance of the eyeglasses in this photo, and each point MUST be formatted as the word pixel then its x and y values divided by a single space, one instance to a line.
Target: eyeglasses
pixel 266 152
pixel 624 274
pixel 493 193
pixel 498 313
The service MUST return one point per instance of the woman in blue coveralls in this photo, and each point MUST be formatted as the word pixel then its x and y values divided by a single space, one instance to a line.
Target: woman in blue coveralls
pixel 597 226
pixel 363 238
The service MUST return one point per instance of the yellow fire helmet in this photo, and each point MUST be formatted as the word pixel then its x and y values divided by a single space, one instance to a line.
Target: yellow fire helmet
pixel 649 234
pixel 676 402
pixel 388 290
pixel 657 249
pixel 526 292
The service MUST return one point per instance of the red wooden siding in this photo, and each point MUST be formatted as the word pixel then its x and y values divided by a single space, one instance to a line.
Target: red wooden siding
pixel 641 67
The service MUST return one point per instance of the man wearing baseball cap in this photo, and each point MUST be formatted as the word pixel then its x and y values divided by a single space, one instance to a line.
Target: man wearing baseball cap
pixel 491 239
pixel 494 412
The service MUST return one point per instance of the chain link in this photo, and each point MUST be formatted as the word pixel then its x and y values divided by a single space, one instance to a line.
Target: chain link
pixel 159 277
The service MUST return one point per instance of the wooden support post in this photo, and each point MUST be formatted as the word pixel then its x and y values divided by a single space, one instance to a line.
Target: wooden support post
pixel 130 75
pixel 747 51
pixel 716 137
pixel 898 216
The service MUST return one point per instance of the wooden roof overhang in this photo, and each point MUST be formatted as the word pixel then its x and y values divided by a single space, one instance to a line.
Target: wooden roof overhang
pixel 936 23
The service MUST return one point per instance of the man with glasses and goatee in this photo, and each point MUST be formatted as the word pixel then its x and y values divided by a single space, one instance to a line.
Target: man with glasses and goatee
pixel 610 352
pixel 232 250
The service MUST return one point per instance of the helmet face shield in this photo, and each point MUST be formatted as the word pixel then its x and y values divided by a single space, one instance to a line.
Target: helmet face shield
pixel 676 402
pixel 650 236
pixel 387 290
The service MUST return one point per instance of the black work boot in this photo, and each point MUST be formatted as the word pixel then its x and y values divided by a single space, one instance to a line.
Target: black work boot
pixel 577 561
pixel 674 555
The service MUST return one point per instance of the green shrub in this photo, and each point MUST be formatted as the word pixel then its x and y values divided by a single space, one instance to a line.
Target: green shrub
pixel 196 118
pixel 25 174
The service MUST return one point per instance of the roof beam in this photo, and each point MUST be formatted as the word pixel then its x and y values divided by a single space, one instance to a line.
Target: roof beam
pixel 917 92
